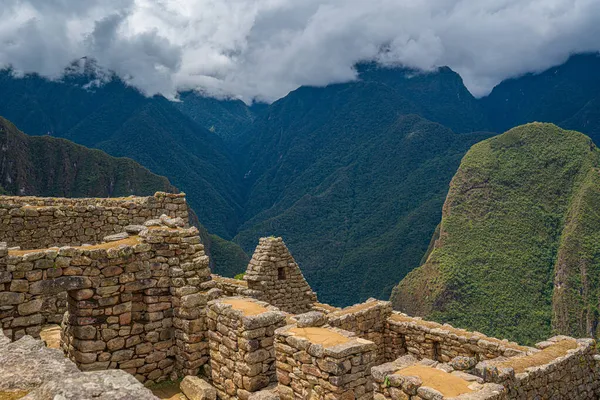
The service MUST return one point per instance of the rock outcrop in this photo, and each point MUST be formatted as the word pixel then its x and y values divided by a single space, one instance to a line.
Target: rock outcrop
pixel 28 366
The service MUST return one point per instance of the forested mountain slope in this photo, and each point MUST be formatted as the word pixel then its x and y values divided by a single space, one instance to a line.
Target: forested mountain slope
pixel 47 166
pixel 123 122
pixel 354 182
pixel 517 252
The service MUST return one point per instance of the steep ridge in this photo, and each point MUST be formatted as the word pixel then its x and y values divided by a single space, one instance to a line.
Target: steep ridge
pixel 517 252
pixel 352 180
pixel 226 118
pixel 438 95
pixel 47 166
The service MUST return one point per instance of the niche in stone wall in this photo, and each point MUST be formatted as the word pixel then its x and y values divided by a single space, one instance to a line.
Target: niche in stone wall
pixel 281 273
pixel 437 351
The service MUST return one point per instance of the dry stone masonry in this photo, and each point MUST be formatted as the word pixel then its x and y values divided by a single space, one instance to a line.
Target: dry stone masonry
pixel 367 320
pixel 131 283
pixel 274 273
pixel 323 363
pixel 408 378
pixel 241 334
pixel 37 223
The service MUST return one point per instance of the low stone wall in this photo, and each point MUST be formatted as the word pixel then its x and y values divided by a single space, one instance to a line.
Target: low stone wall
pixel 368 320
pixel 235 287
pixel 426 339
pixel 241 333
pixel 323 363
pixel 565 368
pixel 123 299
pixel 409 378
pixel 275 276
pixel 37 222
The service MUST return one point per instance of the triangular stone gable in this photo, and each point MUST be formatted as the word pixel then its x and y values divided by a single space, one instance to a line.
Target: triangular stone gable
pixel 274 272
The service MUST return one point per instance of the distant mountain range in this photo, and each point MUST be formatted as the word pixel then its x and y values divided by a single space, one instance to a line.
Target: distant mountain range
pixel 352 175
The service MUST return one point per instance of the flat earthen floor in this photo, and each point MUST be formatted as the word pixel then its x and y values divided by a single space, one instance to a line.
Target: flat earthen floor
pixel 520 364
pixel 447 384
pixel 51 336
pixel 168 391
pixel 249 308
pixel 130 241
pixel 323 336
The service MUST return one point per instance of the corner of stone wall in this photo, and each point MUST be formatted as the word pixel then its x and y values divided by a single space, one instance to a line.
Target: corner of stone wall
pixel 241 333
pixel 323 363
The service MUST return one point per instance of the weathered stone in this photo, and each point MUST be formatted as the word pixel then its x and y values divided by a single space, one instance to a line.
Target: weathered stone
pixel 101 385
pixel 59 285
pixel 196 388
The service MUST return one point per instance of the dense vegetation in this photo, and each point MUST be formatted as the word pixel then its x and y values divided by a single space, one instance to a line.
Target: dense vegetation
pixel 353 176
pixel 46 166
pixel 353 182
pixel 518 229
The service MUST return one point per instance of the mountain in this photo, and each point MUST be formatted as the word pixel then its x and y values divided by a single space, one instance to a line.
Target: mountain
pixel 226 118
pixel 118 119
pixel 517 252
pixel 353 180
pixel 567 95
pixel 438 95
pixel 47 166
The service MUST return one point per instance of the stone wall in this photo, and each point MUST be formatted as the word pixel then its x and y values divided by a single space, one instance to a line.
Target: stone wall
pixel 321 363
pixel 241 333
pixel 409 378
pixel 235 287
pixel 37 222
pixel 124 298
pixel 368 320
pixel 565 368
pixel 274 274
pixel 426 339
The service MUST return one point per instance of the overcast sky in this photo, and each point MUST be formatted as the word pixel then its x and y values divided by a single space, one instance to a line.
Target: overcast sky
pixel 265 48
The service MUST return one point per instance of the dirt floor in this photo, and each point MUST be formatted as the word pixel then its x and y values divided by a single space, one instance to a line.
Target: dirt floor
pixel 50 334
pixel 323 336
pixel 445 383
pixel 520 364
pixel 12 395
pixel 249 308
pixel 168 391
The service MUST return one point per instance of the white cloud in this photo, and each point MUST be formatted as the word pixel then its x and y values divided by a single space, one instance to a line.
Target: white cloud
pixel 265 48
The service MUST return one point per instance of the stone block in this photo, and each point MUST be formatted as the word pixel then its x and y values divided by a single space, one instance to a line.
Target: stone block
pixel 196 388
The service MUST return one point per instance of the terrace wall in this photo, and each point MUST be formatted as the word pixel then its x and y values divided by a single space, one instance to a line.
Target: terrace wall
pixel 426 339
pixel 37 222
pixel 573 374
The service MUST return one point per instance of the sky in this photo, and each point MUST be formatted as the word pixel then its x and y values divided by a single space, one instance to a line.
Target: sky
pixel 262 49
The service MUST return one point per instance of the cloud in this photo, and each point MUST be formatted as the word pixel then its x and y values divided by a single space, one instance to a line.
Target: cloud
pixel 264 48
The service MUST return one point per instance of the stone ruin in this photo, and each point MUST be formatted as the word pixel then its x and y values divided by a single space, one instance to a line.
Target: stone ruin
pixel 130 283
